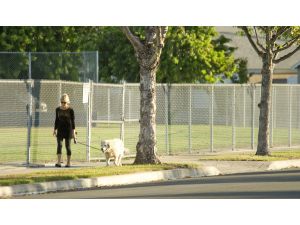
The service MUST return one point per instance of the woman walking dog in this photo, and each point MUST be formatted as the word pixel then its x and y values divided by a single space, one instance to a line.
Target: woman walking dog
pixel 64 128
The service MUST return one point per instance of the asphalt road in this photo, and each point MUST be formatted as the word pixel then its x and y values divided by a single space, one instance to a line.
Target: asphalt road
pixel 263 185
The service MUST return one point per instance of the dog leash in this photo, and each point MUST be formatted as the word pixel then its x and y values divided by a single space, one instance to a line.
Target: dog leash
pixel 77 142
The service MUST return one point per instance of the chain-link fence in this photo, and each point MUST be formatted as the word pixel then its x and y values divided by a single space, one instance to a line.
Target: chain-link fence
pixel 71 66
pixel 190 118
pixel 27 113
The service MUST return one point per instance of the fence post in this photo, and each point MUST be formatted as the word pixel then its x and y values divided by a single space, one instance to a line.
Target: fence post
pixel 275 109
pixel 244 106
pixel 233 119
pixel 290 116
pixel 167 119
pixel 88 133
pixel 190 119
pixel 97 66
pixel 212 119
pixel 122 137
pixel 226 108
pixel 298 107
pixel 29 111
pixel 272 118
pixel 59 95
pixel 253 117
pixel 129 104
pixel 108 105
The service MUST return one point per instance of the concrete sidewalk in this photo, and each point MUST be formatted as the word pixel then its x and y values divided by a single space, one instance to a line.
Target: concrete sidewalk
pixel 206 168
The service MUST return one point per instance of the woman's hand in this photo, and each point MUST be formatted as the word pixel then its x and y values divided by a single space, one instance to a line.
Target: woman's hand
pixel 54 133
pixel 74 134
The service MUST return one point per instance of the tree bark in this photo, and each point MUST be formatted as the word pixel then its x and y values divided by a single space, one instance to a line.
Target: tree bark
pixel 265 105
pixel 146 146
pixel 148 55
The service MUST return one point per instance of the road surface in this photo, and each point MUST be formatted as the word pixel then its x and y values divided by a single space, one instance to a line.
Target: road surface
pixel 263 185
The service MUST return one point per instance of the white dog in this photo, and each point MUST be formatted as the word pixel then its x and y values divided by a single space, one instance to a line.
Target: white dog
pixel 113 148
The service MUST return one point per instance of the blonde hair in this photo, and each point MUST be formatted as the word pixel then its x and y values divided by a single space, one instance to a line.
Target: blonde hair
pixel 65 98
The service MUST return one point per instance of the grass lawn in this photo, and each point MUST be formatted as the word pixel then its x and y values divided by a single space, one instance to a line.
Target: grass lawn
pixel 250 156
pixel 72 174
pixel 13 141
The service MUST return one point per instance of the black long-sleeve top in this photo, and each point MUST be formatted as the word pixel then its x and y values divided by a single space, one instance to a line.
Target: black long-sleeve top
pixel 64 122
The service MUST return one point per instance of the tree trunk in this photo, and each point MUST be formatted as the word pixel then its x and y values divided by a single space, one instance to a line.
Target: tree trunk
pixel 148 54
pixel 265 105
pixel 146 146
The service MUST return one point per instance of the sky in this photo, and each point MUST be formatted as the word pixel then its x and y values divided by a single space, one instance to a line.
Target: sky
pixel 154 12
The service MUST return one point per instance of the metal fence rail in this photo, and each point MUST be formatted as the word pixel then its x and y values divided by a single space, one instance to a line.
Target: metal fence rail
pixel 190 118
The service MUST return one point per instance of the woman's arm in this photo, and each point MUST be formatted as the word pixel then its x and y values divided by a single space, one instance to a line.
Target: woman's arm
pixel 72 119
pixel 73 123
pixel 55 123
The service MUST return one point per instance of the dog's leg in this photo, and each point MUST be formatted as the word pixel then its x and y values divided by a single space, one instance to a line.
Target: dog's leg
pixel 119 160
pixel 107 162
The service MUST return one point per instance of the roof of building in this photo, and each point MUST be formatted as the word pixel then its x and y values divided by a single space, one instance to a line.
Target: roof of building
pixel 245 50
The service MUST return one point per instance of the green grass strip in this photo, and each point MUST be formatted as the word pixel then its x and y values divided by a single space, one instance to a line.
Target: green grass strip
pixel 72 174
pixel 250 156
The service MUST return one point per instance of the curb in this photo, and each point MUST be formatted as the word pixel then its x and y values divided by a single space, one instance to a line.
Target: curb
pixel 284 164
pixel 44 187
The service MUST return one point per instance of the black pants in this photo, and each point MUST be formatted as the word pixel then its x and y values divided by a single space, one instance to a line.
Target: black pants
pixel 67 144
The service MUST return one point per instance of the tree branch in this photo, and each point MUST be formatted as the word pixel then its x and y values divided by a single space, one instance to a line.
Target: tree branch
pixel 269 44
pixel 161 35
pixel 164 31
pixel 257 41
pixel 158 36
pixel 134 40
pixel 287 44
pixel 287 55
pixel 264 28
pixel 151 35
pixel 280 32
pixel 246 31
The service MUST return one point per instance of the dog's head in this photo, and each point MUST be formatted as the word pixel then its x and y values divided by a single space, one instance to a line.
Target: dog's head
pixel 104 146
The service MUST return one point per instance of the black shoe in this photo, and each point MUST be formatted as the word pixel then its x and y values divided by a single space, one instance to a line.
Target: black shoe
pixel 57 165
pixel 67 166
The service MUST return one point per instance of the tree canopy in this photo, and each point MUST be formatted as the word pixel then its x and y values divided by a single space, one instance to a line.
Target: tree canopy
pixel 39 39
pixel 191 54
pixel 194 54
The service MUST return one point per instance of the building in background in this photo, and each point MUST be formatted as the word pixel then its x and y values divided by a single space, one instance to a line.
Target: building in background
pixel 286 71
